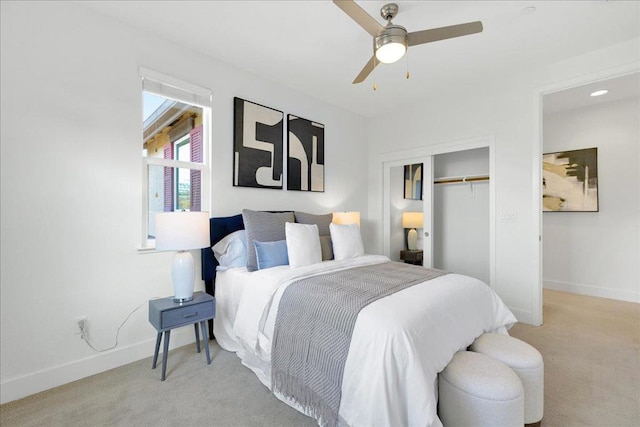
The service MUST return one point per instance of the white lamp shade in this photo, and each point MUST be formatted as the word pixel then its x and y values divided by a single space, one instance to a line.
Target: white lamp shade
pixel 346 218
pixel 182 231
pixel 412 220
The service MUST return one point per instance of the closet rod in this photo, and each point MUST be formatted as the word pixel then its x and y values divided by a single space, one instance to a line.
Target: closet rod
pixel 461 179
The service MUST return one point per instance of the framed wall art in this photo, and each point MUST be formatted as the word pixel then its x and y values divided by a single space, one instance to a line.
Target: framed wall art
pixel 257 145
pixel 305 160
pixel 413 181
pixel 570 181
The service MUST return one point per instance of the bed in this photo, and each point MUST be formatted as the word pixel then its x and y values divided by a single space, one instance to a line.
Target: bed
pixel 398 343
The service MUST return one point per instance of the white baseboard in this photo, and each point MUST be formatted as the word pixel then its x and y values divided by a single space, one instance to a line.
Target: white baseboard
pixel 592 291
pixel 522 315
pixel 17 388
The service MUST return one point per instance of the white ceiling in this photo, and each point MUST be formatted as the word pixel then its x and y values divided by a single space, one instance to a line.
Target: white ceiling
pixel 623 87
pixel 315 48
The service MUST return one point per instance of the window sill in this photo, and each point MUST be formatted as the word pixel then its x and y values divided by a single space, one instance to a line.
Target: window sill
pixel 146 250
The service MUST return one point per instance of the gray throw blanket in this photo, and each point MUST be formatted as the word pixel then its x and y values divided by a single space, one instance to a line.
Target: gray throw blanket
pixel 313 329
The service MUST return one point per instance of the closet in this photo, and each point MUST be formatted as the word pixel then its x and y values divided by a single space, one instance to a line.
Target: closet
pixel 461 212
pixel 458 186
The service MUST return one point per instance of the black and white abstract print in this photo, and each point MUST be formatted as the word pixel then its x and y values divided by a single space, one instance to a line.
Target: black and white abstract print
pixel 305 161
pixel 257 145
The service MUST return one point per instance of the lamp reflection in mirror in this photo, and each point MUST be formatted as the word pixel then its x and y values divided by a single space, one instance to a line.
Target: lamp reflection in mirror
pixel 346 218
pixel 412 220
pixel 182 232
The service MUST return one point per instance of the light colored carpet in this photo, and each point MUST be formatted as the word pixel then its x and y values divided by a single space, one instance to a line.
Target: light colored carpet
pixel 224 393
pixel 591 349
pixel 591 352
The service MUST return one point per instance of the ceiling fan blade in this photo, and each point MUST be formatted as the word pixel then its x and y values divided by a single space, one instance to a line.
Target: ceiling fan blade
pixel 361 17
pixel 368 68
pixel 442 33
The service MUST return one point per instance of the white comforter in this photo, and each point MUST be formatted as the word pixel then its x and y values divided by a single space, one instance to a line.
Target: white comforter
pixel 399 343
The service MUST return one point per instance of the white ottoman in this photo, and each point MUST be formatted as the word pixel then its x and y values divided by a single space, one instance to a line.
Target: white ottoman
pixel 525 361
pixel 476 390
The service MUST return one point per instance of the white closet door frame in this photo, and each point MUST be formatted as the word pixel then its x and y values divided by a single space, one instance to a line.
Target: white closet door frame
pixel 403 157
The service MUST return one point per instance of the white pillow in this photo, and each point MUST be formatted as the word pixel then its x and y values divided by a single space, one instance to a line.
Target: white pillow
pixel 231 251
pixel 347 241
pixel 303 244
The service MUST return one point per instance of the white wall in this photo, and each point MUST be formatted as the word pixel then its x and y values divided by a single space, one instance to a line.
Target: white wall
pixel 71 185
pixel 595 253
pixel 508 112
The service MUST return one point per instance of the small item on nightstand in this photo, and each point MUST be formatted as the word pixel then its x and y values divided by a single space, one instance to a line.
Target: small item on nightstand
pixel 411 257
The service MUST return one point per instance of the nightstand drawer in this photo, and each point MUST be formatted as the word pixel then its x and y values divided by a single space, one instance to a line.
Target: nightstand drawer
pixel 186 315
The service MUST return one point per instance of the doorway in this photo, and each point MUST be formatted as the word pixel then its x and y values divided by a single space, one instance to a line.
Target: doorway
pixel 539 131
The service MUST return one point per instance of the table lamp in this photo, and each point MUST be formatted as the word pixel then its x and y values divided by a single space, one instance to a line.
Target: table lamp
pixel 182 232
pixel 412 220
pixel 346 218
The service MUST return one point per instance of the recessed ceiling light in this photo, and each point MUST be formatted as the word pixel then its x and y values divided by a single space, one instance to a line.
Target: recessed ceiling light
pixel 528 10
pixel 600 92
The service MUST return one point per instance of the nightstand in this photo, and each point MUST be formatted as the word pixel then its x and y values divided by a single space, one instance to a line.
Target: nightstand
pixel 411 257
pixel 165 315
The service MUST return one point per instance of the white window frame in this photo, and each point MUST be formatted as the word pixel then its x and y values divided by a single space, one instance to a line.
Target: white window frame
pixel 172 88
pixel 176 191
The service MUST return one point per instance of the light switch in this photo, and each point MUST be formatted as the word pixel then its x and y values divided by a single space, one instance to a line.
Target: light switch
pixel 507 217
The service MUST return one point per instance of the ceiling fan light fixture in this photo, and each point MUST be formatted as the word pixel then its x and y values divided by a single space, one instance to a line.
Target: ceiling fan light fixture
pixel 391 44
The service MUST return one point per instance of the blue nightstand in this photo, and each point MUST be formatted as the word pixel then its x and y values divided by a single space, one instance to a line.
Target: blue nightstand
pixel 165 315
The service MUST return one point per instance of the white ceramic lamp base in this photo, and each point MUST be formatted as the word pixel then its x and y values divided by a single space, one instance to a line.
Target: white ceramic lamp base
pixel 412 240
pixel 183 274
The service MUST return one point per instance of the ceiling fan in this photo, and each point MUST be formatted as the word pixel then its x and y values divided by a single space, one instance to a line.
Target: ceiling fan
pixel 391 41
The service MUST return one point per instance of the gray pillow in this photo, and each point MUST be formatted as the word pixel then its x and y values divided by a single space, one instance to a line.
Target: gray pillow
pixel 326 247
pixel 322 221
pixel 263 227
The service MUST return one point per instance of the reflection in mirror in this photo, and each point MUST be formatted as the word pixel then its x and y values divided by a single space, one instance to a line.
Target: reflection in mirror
pixel 413 181
pixel 399 204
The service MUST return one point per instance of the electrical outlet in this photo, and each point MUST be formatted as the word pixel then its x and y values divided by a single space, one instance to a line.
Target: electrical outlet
pixel 78 322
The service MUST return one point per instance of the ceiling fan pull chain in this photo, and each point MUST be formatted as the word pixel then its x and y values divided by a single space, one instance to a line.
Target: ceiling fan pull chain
pixel 375 86
pixel 407 56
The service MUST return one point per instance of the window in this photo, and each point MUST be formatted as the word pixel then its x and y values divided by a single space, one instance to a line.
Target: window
pixel 175 143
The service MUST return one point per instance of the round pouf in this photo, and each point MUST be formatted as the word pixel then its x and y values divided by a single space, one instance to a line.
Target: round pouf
pixel 525 361
pixel 476 390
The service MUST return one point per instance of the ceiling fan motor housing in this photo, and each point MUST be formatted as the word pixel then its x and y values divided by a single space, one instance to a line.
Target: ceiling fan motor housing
pixel 389 11
pixel 392 37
